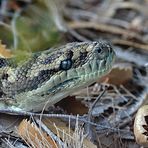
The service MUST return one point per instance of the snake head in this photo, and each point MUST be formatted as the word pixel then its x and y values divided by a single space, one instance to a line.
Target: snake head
pixel 54 74
pixel 85 62
pixel 77 65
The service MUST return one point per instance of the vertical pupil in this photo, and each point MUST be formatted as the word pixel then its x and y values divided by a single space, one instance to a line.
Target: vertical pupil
pixel 66 64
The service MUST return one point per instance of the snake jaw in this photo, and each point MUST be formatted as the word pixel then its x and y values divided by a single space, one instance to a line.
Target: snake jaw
pixel 51 76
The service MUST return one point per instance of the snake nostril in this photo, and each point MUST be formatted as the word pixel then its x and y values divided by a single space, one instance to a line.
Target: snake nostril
pixel 98 49
pixel 95 43
pixel 83 55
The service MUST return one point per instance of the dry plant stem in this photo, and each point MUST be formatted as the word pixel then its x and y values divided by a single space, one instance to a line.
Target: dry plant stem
pixel 5 25
pixel 49 132
pixel 57 14
pixel 6 137
pixel 12 124
pixel 90 111
pixel 8 143
pixel 72 138
pixel 131 56
pixel 3 9
pixel 14 30
pixel 133 108
pixel 126 5
pixel 118 92
pixel 130 44
pixel 77 35
pixel 76 14
pixel 34 136
pixel 128 92
pixel 125 122
pixel 23 113
pixel 113 21
pixel 143 80
pixel 105 28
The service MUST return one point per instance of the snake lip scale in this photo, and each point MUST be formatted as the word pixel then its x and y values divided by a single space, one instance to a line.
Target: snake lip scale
pixel 49 76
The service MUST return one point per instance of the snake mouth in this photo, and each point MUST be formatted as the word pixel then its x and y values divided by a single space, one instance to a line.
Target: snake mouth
pixel 93 69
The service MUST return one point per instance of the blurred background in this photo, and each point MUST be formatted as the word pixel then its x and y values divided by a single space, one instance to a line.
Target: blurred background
pixel 29 26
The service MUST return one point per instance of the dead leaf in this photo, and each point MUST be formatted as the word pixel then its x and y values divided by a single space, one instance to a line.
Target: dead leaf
pixel 4 53
pixel 120 74
pixel 34 136
pixel 73 106
pixel 141 126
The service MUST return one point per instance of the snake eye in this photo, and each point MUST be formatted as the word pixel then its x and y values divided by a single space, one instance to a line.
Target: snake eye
pixel 66 64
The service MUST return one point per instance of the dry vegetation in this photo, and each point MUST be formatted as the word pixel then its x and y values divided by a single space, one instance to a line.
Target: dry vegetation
pixel 107 119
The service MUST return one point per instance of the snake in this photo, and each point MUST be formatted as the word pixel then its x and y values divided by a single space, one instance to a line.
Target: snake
pixel 51 75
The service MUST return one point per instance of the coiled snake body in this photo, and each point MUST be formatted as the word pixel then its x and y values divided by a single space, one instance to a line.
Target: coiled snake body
pixel 51 75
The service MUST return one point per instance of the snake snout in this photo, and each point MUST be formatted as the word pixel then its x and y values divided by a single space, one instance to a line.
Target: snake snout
pixel 103 50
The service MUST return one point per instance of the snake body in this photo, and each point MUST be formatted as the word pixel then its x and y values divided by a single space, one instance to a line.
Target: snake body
pixel 49 76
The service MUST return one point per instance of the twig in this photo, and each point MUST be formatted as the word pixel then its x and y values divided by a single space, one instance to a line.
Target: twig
pixel 91 108
pixel 14 30
pixel 131 56
pixel 126 5
pixel 57 15
pixel 24 113
pixel 3 9
pixel 49 132
pixel 6 25
pixel 104 28
pixel 77 35
pixel 130 44
pixel 77 14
